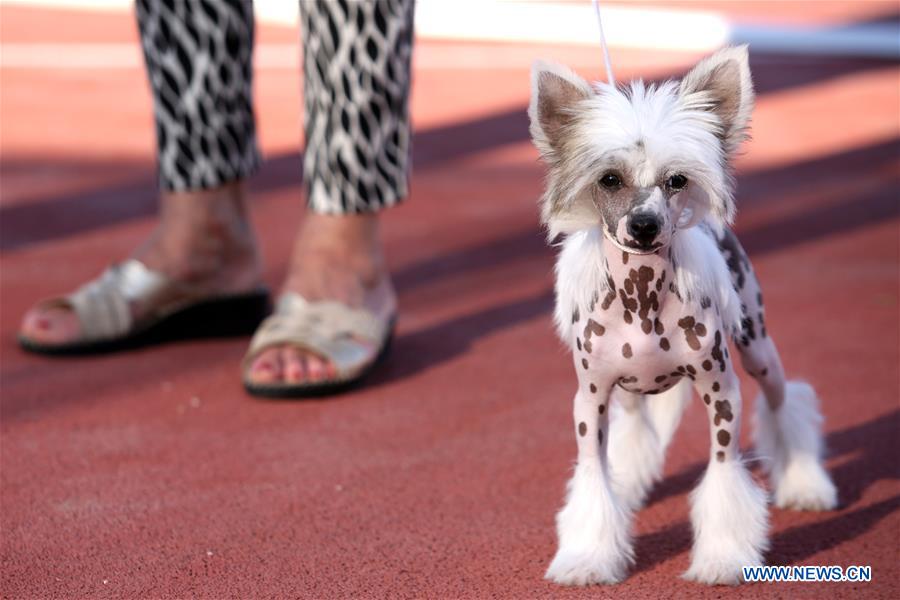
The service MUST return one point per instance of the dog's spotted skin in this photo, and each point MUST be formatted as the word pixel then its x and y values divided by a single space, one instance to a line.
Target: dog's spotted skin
pixel 652 338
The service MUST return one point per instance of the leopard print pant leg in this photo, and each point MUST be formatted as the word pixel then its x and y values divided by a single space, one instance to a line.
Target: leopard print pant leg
pixel 198 55
pixel 356 92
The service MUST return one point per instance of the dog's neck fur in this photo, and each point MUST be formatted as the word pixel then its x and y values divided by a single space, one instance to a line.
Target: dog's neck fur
pixel 623 266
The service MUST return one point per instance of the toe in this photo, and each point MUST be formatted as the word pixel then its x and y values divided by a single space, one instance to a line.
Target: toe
pixel 266 367
pixel 294 365
pixel 318 368
pixel 56 325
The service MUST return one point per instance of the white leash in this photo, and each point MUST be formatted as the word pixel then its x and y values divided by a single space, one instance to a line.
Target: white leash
pixel 609 72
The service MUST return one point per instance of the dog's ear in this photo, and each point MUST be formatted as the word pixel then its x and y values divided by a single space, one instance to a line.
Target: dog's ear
pixel 724 80
pixel 555 92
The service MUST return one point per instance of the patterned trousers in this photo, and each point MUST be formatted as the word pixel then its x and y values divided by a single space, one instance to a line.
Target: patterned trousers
pixel 356 78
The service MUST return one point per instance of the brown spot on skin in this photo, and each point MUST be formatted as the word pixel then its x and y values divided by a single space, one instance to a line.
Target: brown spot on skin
pixel 660 378
pixel 593 389
pixel 720 456
pixel 748 329
pixel 716 386
pixel 724 437
pixel 705 302
pixel 627 317
pixel 624 258
pixel 707 365
pixel 628 303
pixel 717 351
pixel 610 294
pixel 681 369
pixel 575 315
pixel 706 398
pixel 735 258
pixel 626 350
pixel 600 436
pixel 658 326
pixel 584 363
pixel 700 329
pixel 691 370
pixel 594 300
pixel 602 408
pixel 608 299
pixel 723 412
pixel 631 379
pixel 582 429
pixel 664 344
pixel 578 342
pixel 646 326
pixel 592 328
pixel 764 372
pixel 689 324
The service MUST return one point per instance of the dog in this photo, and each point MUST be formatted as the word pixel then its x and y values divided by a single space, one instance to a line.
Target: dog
pixel 650 286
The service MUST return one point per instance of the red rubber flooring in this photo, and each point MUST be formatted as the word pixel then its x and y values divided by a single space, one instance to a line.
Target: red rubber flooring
pixel 150 474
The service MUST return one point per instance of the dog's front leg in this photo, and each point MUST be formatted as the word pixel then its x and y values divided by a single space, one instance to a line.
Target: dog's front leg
pixel 728 512
pixel 593 526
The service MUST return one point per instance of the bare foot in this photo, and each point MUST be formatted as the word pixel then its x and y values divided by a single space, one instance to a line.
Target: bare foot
pixel 203 238
pixel 334 258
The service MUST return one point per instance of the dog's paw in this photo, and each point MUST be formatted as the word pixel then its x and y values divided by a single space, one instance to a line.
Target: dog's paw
pixel 586 568
pixel 805 485
pixel 718 570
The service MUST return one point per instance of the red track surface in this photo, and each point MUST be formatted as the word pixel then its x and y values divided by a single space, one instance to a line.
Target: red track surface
pixel 151 474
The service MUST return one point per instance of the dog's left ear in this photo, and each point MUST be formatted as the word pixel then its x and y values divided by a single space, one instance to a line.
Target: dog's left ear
pixel 724 78
pixel 555 93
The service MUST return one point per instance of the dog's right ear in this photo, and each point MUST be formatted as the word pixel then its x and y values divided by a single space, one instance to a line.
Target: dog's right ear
pixel 555 92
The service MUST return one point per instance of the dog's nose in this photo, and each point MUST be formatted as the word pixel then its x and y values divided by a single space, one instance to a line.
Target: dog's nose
pixel 643 228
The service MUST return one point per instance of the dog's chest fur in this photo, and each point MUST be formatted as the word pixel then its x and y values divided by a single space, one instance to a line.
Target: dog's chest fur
pixel 642 333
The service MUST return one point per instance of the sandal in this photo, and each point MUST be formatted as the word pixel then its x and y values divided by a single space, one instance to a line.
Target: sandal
pixel 326 328
pixel 172 310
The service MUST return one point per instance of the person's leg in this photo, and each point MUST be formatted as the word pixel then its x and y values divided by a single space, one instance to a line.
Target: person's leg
pixel 356 92
pixel 198 57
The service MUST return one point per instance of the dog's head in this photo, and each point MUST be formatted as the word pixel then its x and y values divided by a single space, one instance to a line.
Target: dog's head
pixel 640 161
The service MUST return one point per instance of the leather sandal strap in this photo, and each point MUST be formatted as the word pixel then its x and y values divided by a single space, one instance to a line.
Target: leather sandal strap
pixel 327 328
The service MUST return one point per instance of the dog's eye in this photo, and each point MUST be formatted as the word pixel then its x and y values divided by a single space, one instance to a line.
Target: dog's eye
pixel 610 181
pixel 677 182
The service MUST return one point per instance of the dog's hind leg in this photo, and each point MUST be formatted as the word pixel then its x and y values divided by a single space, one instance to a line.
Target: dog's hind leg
pixel 640 430
pixel 788 432
pixel 788 427
pixel 594 525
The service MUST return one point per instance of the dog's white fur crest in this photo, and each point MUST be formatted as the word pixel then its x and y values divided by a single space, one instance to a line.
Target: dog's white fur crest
pixel 595 542
pixel 729 515
pixel 700 273
pixel 789 443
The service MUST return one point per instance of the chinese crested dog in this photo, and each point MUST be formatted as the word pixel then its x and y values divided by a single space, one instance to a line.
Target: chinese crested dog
pixel 650 287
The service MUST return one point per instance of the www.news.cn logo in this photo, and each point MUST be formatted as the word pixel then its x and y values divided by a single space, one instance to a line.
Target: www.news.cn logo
pixel 808 573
